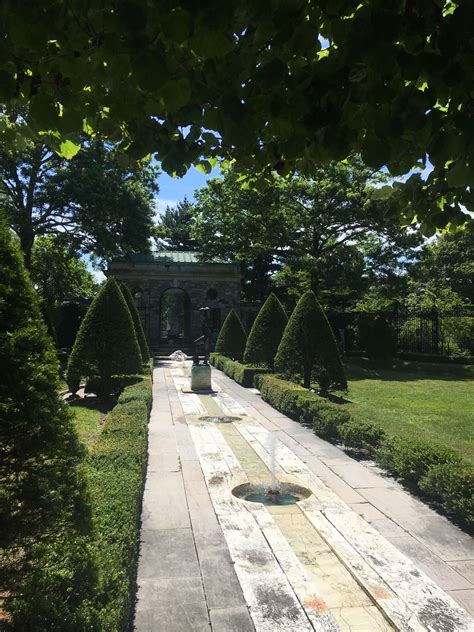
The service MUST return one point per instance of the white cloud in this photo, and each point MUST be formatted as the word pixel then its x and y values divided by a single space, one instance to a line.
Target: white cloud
pixel 99 276
pixel 162 203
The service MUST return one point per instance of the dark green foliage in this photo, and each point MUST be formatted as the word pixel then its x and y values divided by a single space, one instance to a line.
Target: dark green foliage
pixel 232 337
pixel 137 322
pixel 453 485
pixel 241 373
pixel 302 405
pixel 376 337
pixel 115 468
pixel 43 500
pixel 362 435
pixel 411 458
pixel 117 383
pixel 308 347
pixel 266 333
pixel 106 342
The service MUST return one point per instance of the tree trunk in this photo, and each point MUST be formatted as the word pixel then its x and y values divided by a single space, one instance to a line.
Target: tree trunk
pixel 307 377
pixel 27 239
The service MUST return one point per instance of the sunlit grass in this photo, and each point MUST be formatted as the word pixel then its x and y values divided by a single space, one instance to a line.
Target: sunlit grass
pixel 416 399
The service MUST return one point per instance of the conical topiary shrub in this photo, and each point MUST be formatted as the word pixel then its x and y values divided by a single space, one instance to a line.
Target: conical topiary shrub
pixel 308 347
pixel 232 337
pixel 42 488
pixel 266 333
pixel 137 322
pixel 106 343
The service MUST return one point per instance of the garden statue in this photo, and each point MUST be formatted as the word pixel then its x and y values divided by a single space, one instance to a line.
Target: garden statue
pixel 201 373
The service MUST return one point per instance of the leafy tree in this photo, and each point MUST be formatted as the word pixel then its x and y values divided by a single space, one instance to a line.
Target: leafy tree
pixel 320 230
pixel 106 343
pixel 376 337
pixel 308 347
pixel 58 274
pixel 266 333
pixel 173 231
pixel 137 322
pixel 313 82
pixel 42 485
pixel 232 337
pixel 444 275
pixel 102 207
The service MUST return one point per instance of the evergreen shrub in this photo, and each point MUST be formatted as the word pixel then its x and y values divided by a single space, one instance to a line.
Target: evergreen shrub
pixel 266 333
pixel 363 435
pixel 116 469
pixel 411 459
pixel 44 510
pixel 453 485
pixel 308 348
pixel 137 322
pixel 302 405
pixel 242 373
pixel 106 343
pixel 232 337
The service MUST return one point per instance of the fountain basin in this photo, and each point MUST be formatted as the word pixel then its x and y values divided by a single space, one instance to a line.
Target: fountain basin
pixel 283 494
pixel 219 419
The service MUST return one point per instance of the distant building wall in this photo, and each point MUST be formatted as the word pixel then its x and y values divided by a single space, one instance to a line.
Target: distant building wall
pixel 213 285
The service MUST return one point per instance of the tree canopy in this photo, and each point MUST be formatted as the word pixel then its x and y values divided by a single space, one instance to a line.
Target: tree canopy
pixel 104 207
pixel 327 234
pixel 58 274
pixel 173 230
pixel 284 87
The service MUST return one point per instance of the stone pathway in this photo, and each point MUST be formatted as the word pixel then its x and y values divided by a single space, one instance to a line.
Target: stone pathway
pixel 360 554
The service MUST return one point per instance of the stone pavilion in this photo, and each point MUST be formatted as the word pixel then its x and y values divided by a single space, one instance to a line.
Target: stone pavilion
pixel 175 291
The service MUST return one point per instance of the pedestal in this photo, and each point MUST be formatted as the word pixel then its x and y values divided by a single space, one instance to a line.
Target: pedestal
pixel 201 378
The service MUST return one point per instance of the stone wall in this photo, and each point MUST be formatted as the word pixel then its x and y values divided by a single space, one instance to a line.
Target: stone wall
pixel 216 286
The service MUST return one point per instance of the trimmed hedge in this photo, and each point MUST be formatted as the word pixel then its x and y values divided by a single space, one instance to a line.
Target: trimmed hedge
pixel 106 343
pixel 303 405
pixel 137 322
pixel 308 349
pixel 232 338
pixel 362 435
pixel 117 383
pixel 115 469
pixel 453 485
pixel 266 333
pixel 241 373
pixel 410 459
pixel 434 469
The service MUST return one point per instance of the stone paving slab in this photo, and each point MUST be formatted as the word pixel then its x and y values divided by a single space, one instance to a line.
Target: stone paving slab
pixel 231 619
pixel 185 578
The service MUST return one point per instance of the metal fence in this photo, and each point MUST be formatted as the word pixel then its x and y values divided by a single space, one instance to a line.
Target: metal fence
pixel 414 332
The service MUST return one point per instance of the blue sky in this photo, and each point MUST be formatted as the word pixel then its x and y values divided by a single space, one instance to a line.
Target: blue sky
pixel 173 190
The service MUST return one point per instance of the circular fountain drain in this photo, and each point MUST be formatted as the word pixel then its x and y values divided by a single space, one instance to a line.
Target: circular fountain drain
pixel 219 420
pixel 285 494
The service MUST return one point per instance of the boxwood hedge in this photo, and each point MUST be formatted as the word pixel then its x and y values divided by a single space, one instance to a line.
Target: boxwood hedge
pixel 244 374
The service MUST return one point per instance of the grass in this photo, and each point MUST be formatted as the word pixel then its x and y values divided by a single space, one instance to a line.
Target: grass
pixel 87 420
pixel 416 399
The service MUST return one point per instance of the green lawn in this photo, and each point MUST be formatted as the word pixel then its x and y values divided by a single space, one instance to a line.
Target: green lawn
pixel 416 399
pixel 87 420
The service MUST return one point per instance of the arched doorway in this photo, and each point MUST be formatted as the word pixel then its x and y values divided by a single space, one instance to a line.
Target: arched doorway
pixel 174 315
